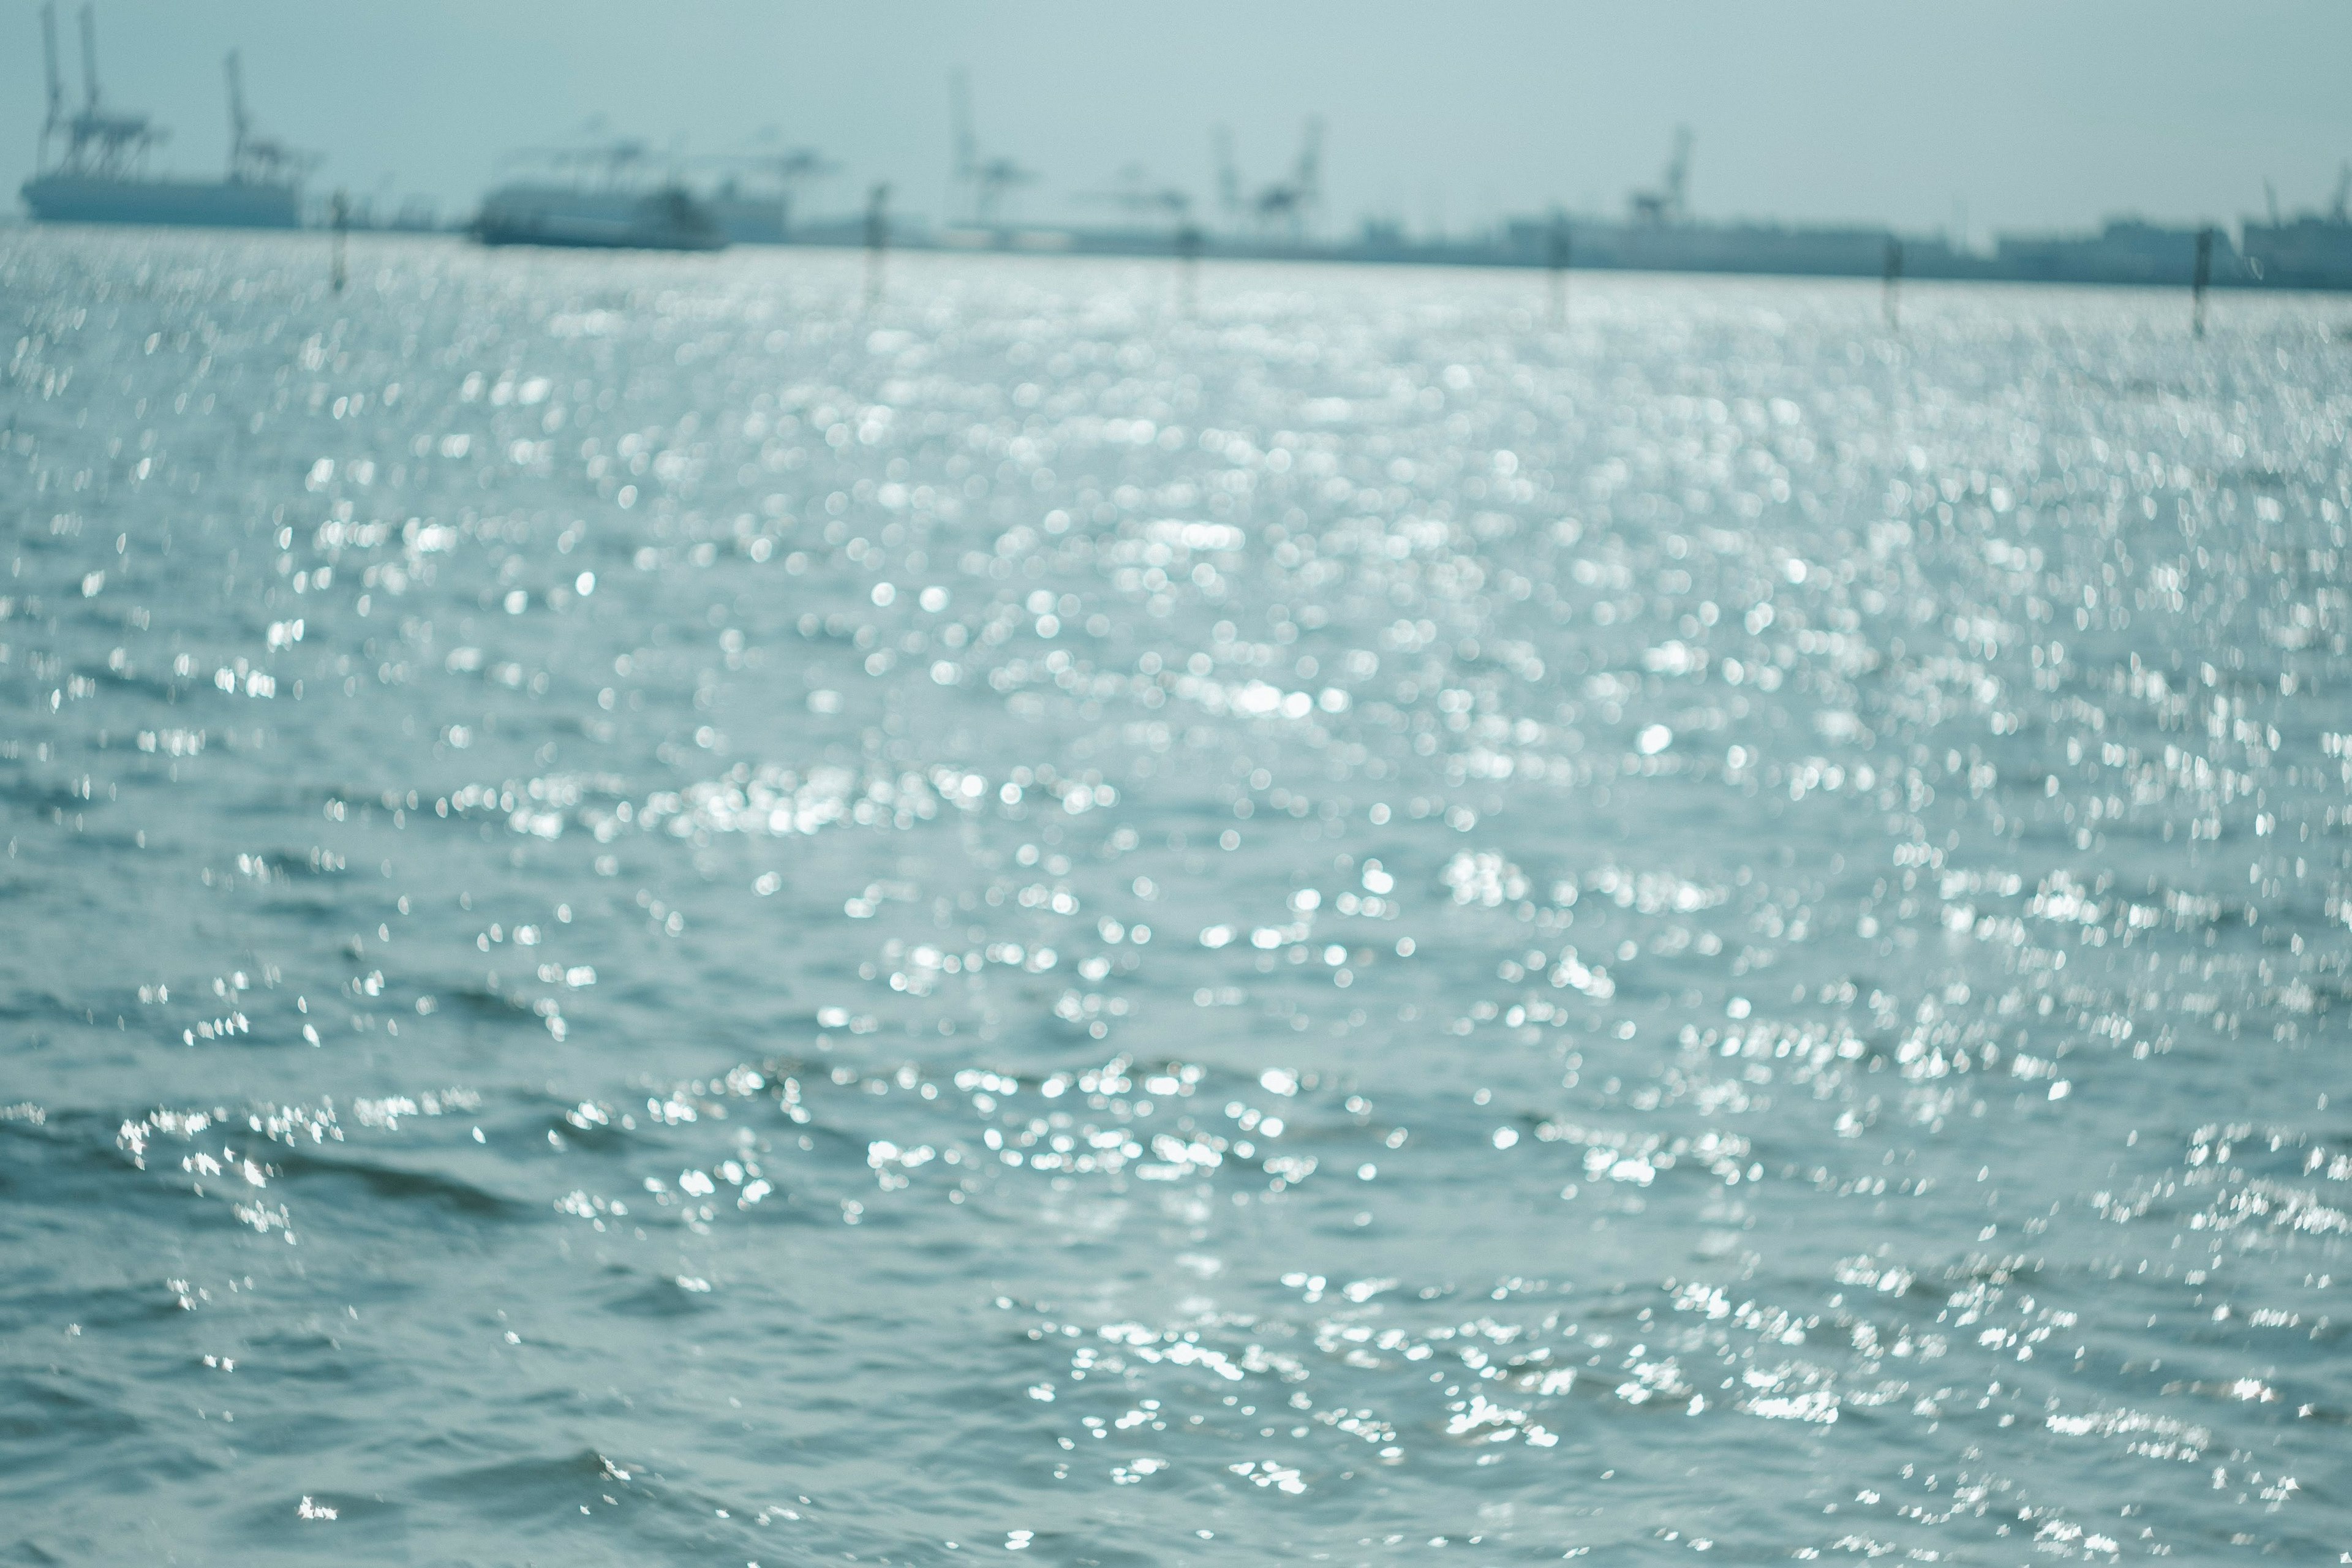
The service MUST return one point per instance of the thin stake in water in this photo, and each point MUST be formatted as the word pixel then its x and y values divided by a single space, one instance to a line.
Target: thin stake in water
pixel 2198 279
pixel 878 240
pixel 1893 284
pixel 1555 257
pixel 340 215
pixel 1188 241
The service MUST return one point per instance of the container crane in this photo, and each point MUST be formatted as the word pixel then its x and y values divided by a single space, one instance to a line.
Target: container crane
pixel 991 179
pixel 1137 196
pixel 263 160
pixel 1292 203
pixel 1669 203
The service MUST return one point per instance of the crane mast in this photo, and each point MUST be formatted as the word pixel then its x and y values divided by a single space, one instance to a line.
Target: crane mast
pixel 89 61
pixel 237 124
pixel 55 79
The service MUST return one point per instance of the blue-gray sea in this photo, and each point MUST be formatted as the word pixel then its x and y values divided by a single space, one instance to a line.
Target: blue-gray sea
pixel 654 916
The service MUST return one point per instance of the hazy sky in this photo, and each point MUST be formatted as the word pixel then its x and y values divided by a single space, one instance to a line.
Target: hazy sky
pixel 2034 114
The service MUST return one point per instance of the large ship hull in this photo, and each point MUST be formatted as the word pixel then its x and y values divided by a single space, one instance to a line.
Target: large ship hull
pixel 596 220
pixel 179 203
pixel 749 220
pixel 2306 253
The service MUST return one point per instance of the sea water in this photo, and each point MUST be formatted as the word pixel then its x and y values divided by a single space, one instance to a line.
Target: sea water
pixel 653 915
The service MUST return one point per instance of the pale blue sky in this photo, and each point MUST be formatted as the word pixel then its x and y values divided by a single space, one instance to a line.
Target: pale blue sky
pixel 2036 115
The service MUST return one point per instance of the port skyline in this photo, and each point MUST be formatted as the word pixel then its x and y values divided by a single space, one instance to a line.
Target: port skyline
pixel 1412 139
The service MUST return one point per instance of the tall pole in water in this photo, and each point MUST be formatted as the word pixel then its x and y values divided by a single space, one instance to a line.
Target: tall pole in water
pixel 1555 257
pixel 2198 279
pixel 1893 282
pixel 877 239
pixel 340 215
pixel 1187 261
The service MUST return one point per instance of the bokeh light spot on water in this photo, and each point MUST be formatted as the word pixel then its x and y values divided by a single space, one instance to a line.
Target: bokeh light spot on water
pixel 652 913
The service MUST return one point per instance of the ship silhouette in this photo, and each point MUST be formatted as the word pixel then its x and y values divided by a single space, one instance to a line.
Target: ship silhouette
pixel 93 161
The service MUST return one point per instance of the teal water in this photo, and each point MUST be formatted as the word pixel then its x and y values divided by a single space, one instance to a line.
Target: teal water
pixel 652 919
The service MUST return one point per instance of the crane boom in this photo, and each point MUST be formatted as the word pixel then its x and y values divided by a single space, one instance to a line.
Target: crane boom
pixel 967 155
pixel 237 125
pixel 1229 177
pixel 56 79
pixel 89 57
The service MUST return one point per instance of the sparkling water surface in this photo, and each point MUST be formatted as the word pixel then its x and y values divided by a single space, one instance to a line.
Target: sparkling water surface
pixel 655 918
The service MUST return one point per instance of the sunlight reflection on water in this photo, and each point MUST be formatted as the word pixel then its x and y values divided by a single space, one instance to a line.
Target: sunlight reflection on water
pixel 653 915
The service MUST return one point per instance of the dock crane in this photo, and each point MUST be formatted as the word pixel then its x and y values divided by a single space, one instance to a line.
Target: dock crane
pixel 57 115
pixel 96 143
pixel 1291 203
pixel 1135 194
pixel 1669 204
pixel 776 172
pixel 991 179
pixel 1229 177
pixel 264 160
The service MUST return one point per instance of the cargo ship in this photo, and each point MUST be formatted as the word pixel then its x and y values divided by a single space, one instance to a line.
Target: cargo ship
pixel 754 198
pixel 668 218
pixel 607 205
pixel 2308 252
pixel 93 162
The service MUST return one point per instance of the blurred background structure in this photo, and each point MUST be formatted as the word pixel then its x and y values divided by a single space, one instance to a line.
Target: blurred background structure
pixel 2094 144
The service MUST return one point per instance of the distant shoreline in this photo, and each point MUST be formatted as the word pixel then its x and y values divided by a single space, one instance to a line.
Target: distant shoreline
pixel 1925 261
